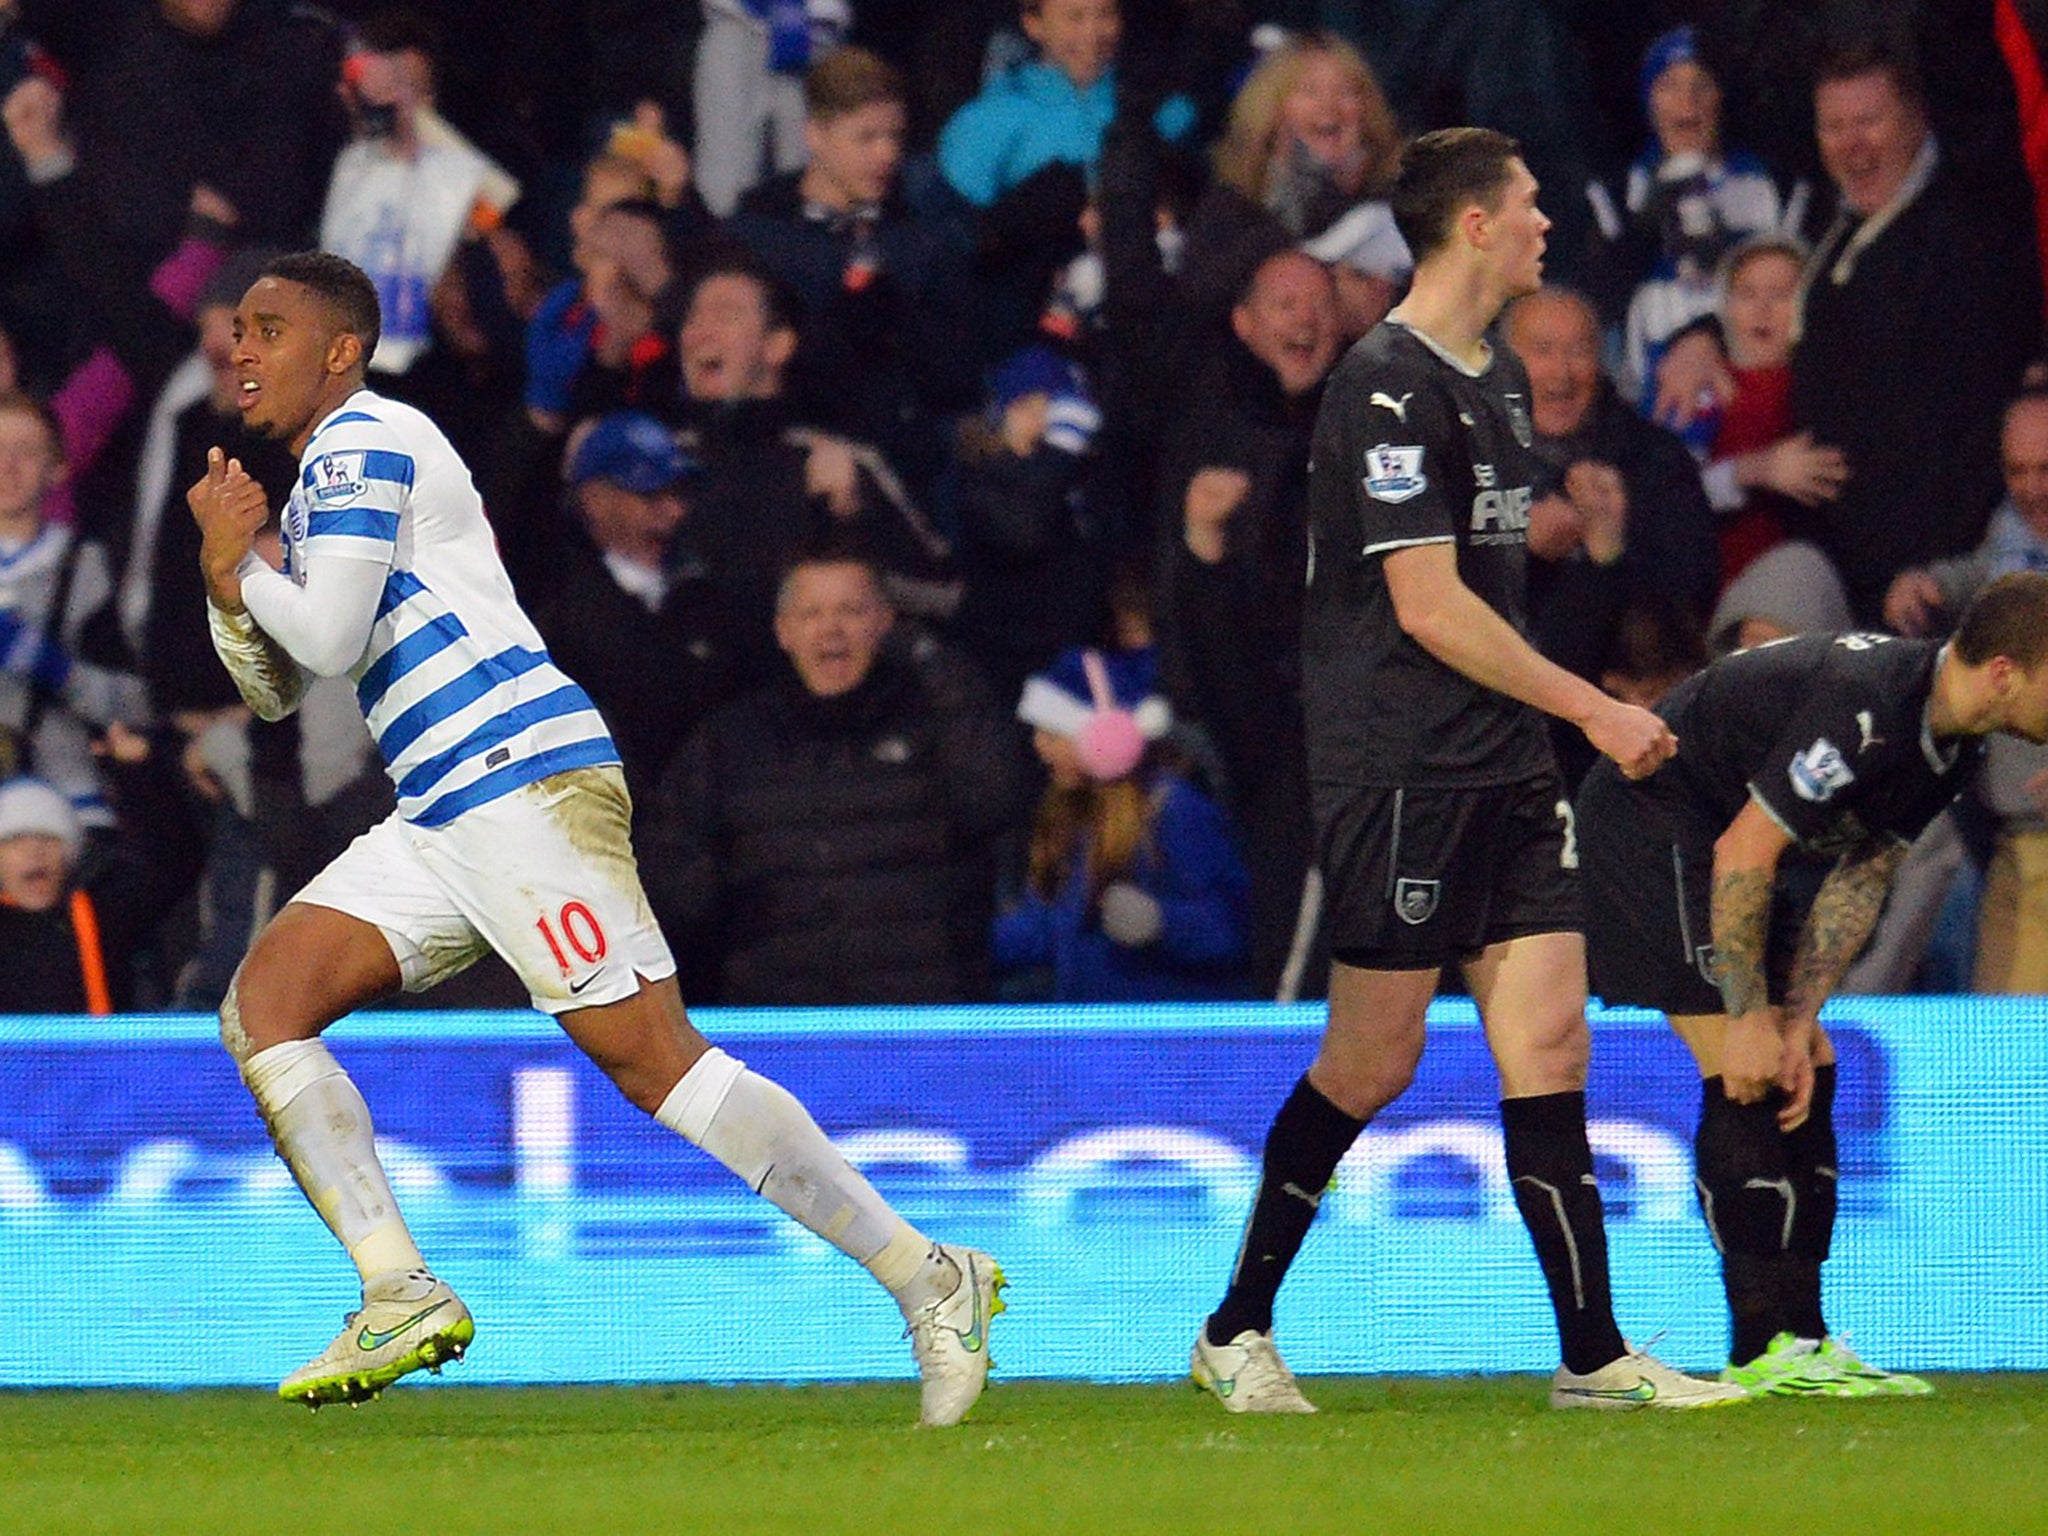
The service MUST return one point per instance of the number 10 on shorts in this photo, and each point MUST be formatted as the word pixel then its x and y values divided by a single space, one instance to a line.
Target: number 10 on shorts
pixel 580 928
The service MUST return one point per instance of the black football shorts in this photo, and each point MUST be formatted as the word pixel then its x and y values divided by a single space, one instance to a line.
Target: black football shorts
pixel 1414 879
pixel 1648 869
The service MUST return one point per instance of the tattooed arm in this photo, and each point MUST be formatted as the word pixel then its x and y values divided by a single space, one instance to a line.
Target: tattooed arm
pixel 1745 867
pixel 1843 915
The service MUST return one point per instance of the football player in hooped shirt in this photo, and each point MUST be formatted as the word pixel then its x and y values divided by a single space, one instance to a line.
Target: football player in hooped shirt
pixel 1443 832
pixel 511 834
pixel 1843 747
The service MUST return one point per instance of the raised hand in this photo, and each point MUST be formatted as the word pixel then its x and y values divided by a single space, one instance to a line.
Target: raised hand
pixel 34 111
pixel 1212 499
pixel 230 509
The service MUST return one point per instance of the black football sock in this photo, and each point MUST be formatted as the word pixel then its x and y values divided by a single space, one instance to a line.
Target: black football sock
pixel 1750 1205
pixel 1754 1316
pixel 1810 1162
pixel 1309 1137
pixel 1551 1169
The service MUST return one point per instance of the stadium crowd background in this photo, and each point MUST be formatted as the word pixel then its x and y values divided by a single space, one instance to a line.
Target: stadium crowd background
pixel 1010 327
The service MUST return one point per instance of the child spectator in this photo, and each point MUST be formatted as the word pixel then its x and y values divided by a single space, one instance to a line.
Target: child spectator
pixel 50 585
pixel 73 918
pixel 882 281
pixel 1038 530
pixel 1686 202
pixel 1021 153
pixel 1135 890
pixel 1757 467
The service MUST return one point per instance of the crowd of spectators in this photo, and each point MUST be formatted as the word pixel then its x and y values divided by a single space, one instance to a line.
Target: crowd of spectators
pixel 895 413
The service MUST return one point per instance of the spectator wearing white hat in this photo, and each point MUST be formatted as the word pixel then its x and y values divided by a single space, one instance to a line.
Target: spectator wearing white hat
pixel 1135 890
pixel 73 916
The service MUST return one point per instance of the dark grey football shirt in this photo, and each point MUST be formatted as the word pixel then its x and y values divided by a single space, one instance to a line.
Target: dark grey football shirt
pixel 1827 732
pixel 1413 448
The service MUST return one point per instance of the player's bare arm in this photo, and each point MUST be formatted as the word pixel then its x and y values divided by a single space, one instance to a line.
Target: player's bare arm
pixel 1843 916
pixel 1745 867
pixel 1449 620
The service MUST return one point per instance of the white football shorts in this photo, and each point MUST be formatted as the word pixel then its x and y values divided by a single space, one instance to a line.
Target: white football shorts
pixel 544 876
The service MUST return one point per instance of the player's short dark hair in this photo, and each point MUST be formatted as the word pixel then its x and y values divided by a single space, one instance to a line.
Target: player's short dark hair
pixel 846 80
pixel 2008 618
pixel 1443 173
pixel 341 285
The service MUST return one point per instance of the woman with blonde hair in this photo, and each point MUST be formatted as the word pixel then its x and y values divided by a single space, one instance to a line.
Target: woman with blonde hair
pixel 1135 890
pixel 1310 137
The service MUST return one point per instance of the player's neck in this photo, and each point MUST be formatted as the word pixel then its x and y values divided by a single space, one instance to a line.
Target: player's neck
pixel 1450 305
pixel 1957 703
pixel 331 400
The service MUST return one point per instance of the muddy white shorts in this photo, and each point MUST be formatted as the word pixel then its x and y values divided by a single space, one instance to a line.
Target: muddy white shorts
pixel 544 876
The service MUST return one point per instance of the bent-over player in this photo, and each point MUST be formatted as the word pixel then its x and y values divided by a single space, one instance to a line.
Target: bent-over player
pixel 1842 747
pixel 511 834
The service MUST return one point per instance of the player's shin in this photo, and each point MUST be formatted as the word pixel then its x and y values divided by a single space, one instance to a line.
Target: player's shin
pixel 322 1130
pixel 1751 1205
pixel 1309 1137
pixel 1550 1166
pixel 765 1136
pixel 1810 1162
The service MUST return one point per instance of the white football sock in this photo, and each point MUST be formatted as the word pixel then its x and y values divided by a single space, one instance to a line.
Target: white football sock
pixel 322 1130
pixel 759 1130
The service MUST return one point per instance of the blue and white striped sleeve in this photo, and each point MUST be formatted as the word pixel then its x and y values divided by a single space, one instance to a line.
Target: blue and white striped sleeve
pixel 356 478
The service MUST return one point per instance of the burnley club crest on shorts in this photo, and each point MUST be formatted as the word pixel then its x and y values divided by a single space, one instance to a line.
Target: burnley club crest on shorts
pixel 1415 900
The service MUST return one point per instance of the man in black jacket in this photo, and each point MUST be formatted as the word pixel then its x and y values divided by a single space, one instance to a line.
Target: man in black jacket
pixel 650 643
pixel 172 93
pixel 771 480
pixel 827 839
pixel 1921 309
pixel 1234 512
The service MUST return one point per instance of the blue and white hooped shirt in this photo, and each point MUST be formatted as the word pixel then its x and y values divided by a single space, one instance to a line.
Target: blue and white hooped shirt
pixel 460 694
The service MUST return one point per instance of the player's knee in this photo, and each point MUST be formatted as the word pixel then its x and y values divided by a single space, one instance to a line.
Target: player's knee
pixel 233 1034
pixel 1361 1088
pixel 1557 1047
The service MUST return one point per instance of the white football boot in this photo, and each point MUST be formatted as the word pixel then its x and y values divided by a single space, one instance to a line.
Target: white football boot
pixel 407 1321
pixel 1246 1375
pixel 1639 1380
pixel 949 1338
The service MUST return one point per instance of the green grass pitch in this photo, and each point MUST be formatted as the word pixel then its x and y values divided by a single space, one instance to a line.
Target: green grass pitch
pixel 1384 1455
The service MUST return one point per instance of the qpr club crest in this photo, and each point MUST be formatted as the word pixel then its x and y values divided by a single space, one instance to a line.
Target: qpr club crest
pixel 1415 900
pixel 1519 422
pixel 1394 474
